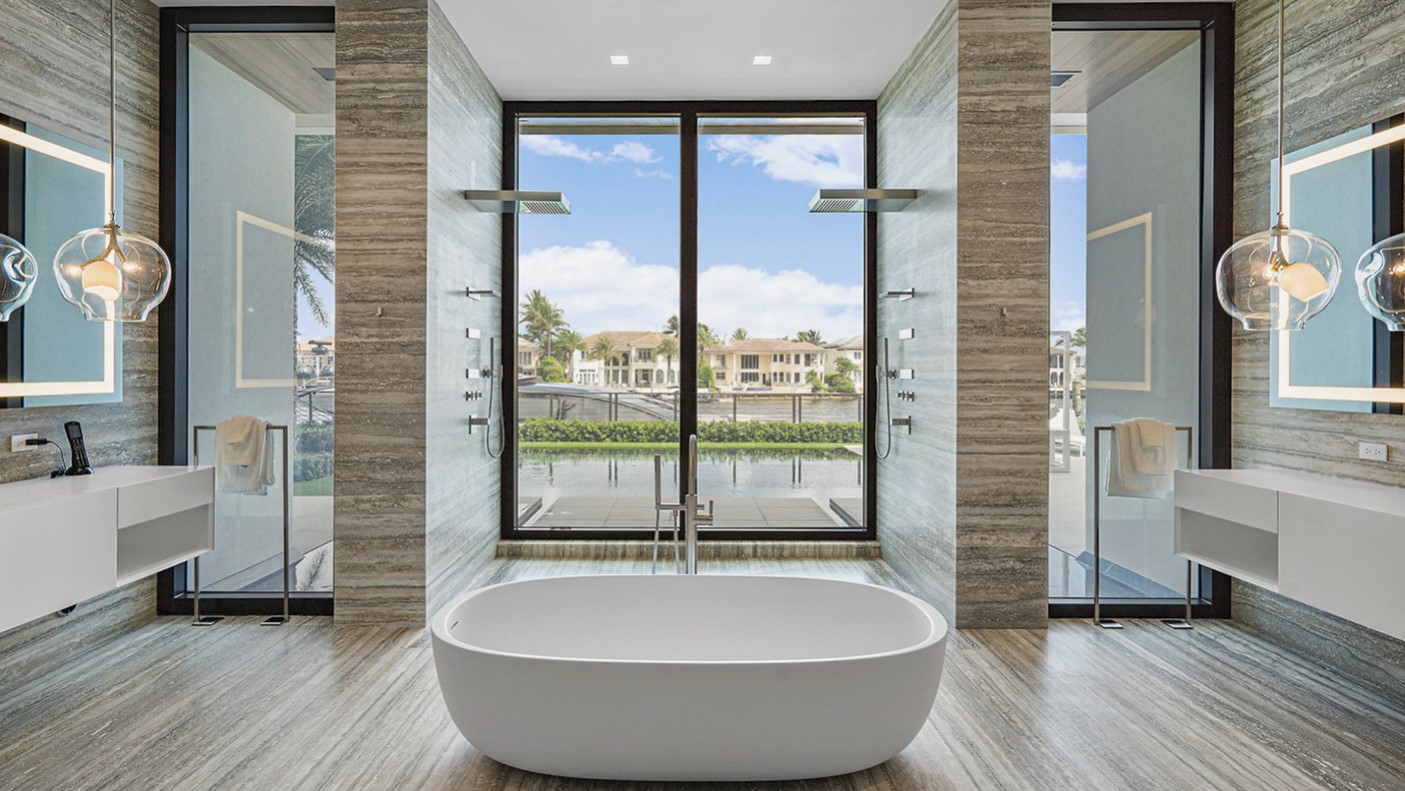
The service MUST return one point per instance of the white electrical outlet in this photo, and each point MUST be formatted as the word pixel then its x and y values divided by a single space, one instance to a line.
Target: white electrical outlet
pixel 17 443
pixel 1372 451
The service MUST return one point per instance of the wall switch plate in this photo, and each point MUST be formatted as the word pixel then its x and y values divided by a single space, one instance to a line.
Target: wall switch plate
pixel 1372 451
pixel 17 443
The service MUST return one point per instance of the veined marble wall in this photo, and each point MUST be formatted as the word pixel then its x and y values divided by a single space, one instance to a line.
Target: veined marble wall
pixel 1345 68
pixel 416 495
pixel 917 249
pixel 382 218
pixel 963 500
pixel 1002 292
pixel 463 482
pixel 53 73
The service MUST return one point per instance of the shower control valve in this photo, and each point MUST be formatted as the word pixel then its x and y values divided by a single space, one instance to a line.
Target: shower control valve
pixel 472 395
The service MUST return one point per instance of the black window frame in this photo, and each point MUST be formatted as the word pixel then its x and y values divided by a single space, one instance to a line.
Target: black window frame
pixel 173 419
pixel 688 113
pixel 1215 21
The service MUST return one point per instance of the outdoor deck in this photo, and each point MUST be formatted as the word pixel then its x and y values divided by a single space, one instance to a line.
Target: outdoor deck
pixel 729 512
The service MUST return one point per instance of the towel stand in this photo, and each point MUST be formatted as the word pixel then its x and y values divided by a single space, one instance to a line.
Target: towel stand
pixel 1108 623
pixel 273 620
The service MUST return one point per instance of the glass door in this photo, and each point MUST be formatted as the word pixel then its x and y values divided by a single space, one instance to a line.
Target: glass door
pixel 262 247
pixel 781 323
pixel 690 289
pixel 598 352
pixel 1125 280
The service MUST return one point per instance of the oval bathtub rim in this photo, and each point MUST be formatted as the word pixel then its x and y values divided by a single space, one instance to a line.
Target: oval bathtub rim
pixel 439 627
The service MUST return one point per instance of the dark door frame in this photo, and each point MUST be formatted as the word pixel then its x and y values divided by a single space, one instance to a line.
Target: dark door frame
pixel 1388 207
pixel 1215 21
pixel 687 113
pixel 173 419
pixel 12 165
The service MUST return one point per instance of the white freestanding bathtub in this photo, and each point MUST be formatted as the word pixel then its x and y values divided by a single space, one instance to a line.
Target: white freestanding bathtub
pixel 741 678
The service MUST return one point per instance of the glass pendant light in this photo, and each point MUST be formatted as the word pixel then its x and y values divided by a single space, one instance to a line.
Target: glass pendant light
pixel 1279 278
pixel 108 273
pixel 18 271
pixel 1380 281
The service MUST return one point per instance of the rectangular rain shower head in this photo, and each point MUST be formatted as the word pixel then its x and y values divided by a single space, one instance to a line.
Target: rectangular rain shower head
pixel 517 202
pixel 846 201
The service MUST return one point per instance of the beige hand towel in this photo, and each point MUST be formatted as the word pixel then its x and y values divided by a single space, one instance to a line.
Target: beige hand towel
pixel 243 456
pixel 1150 451
pixel 1123 477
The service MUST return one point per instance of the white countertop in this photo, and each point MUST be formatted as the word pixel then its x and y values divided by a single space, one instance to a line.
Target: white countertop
pixel 37 491
pixel 1343 491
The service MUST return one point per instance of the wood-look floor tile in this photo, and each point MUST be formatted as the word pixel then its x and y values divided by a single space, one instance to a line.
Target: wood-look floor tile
pixel 312 706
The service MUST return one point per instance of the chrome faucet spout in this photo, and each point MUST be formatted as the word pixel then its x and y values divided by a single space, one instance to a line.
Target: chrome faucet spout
pixel 693 512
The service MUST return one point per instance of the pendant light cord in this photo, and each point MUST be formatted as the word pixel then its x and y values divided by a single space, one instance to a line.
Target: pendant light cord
pixel 112 110
pixel 1281 4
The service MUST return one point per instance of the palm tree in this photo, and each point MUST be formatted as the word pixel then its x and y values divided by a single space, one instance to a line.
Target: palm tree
pixel 845 367
pixel 314 218
pixel 667 348
pixel 740 334
pixel 809 336
pixel 672 327
pixel 541 320
pixel 706 338
pixel 1080 338
pixel 567 342
pixel 603 348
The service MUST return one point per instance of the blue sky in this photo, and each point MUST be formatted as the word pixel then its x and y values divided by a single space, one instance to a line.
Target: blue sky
pixel 1068 230
pixel 765 262
pixel 768 264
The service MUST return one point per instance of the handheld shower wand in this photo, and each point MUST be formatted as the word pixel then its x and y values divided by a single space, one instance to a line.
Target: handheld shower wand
pixel 494 372
pixel 885 375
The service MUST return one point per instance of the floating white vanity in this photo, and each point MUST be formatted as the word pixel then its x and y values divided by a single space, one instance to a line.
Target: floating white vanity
pixel 1331 543
pixel 64 540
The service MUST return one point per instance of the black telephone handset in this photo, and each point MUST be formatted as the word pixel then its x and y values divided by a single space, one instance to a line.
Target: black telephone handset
pixel 77 452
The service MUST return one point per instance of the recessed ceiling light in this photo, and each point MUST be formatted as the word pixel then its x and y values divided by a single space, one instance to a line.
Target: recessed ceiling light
pixel 761 60
pixel 619 60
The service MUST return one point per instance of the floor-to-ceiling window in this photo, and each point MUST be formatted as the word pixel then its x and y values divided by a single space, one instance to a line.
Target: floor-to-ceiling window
pixel 1129 179
pixel 256 261
pixel 781 312
pixel 597 337
pixel 690 290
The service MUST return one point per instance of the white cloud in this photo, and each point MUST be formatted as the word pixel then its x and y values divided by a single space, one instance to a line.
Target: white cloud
pixel 601 287
pixel 1066 314
pixel 553 146
pixel 775 304
pixel 634 151
pixel 1067 170
pixel 652 174
pixel 821 160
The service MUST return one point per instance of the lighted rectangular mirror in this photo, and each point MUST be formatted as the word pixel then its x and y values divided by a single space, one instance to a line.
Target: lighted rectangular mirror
pixel 1348 190
pixel 50 188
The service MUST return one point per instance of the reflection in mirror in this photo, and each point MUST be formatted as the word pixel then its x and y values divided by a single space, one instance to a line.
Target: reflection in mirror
pixel 1342 360
pixel 50 188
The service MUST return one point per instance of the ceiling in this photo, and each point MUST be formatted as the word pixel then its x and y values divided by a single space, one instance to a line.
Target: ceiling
pixel 1108 61
pixel 282 65
pixel 821 49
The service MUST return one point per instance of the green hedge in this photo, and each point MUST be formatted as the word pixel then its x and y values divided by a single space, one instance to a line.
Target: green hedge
pixel 314 438
pixel 311 466
pixel 549 430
